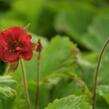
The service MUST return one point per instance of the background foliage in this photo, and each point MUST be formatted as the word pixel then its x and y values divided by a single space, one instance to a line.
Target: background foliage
pixel 72 33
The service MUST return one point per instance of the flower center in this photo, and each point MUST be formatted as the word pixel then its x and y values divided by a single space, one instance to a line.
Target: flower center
pixel 15 47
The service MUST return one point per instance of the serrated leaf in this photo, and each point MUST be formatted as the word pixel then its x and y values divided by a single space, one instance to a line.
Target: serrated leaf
pixel 58 56
pixel 70 102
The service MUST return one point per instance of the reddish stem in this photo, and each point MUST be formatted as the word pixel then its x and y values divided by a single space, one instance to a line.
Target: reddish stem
pixel 38 49
pixel 97 72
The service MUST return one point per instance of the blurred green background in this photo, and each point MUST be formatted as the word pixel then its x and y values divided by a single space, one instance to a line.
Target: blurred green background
pixel 49 17
pixel 72 32
pixel 84 21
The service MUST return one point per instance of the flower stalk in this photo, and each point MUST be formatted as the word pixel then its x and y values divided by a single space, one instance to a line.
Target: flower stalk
pixel 25 85
pixel 97 73
pixel 38 49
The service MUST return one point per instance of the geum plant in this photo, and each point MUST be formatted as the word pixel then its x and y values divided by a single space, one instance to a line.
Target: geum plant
pixel 16 45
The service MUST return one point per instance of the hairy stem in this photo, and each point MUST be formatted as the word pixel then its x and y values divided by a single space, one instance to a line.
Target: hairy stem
pixel 38 49
pixel 97 72
pixel 25 85
pixel 37 82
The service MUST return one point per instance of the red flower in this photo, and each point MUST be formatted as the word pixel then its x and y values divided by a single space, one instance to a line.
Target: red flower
pixel 15 43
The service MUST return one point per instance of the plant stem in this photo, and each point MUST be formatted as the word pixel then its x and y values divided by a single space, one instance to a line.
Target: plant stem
pixel 97 72
pixel 38 49
pixel 25 84
pixel 37 82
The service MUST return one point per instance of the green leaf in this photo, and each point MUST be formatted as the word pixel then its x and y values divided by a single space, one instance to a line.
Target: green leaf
pixel 75 22
pixel 7 97
pixel 101 103
pixel 58 57
pixel 6 80
pixel 86 69
pixel 70 102
pixel 103 91
pixel 72 85
pixel 7 94
pixel 43 95
pixel 97 31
